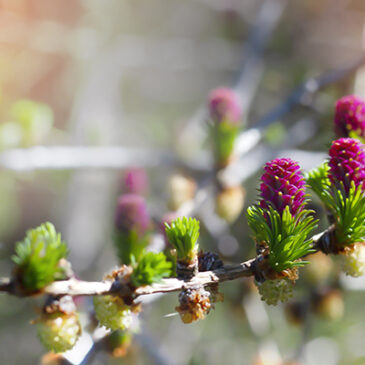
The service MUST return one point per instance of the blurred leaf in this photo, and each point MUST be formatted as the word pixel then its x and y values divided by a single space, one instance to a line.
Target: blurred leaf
pixel 9 208
pixel 128 245
pixel 35 120
pixel 275 134
pixel 11 135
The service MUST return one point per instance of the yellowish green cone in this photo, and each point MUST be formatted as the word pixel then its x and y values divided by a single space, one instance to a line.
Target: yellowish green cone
pixel 273 291
pixel 112 312
pixel 59 332
pixel 353 261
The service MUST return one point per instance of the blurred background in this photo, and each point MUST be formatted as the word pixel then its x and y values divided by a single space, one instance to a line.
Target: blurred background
pixel 89 89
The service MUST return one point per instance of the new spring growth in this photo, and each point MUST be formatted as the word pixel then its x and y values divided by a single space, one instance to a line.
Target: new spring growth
pixel 281 227
pixel 281 223
pixel 225 106
pixel 349 118
pixel 131 214
pixel 347 164
pixel 113 311
pixel 347 176
pixel 132 222
pixel 183 234
pixel 225 112
pixel 136 181
pixel 59 332
pixel 282 185
pixel 168 218
pixel 150 268
pixel 58 326
pixel 38 258
pixel 340 185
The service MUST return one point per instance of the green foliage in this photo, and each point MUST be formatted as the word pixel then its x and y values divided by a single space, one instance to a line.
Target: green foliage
pixel 37 257
pixel 183 235
pixel 223 136
pixel 170 257
pixel 128 245
pixel 275 134
pixel 119 338
pixel 319 182
pixel 353 134
pixel 349 215
pixel 150 268
pixel 348 210
pixel 285 236
pixel 30 124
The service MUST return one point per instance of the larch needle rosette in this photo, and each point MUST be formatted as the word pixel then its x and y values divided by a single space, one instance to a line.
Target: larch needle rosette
pixel 281 225
pixel 340 184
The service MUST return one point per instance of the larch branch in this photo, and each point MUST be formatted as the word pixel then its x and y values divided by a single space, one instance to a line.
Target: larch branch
pixel 76 287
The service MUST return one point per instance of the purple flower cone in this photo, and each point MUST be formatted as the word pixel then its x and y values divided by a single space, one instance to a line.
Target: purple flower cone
pixel 224 104
pixel 131 214
pixel 136 181
pixel 347 163
pixel 350 116
pixel 282 185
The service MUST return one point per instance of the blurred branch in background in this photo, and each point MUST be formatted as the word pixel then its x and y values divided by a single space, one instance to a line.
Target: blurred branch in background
pixel 304 93
pixel 72 157
pixel 100 345
pixel 249 75
pixel 250 71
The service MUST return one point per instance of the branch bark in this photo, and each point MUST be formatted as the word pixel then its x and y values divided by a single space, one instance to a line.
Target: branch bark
pixel 75 287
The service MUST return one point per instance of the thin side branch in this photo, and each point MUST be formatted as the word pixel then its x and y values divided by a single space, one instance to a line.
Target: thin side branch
pixel 76 157
pixel 75 287
pixel 309 88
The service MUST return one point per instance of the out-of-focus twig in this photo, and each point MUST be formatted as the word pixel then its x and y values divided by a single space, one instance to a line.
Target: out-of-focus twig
pixel 249 161
pixel 68 157
pixel 247 79
pixel 237 172
pixel 71 157
pixel 248 76
pixel 306 329
pixel 250 138
pixel 152 349
pixel 307 89
pixel 247 164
